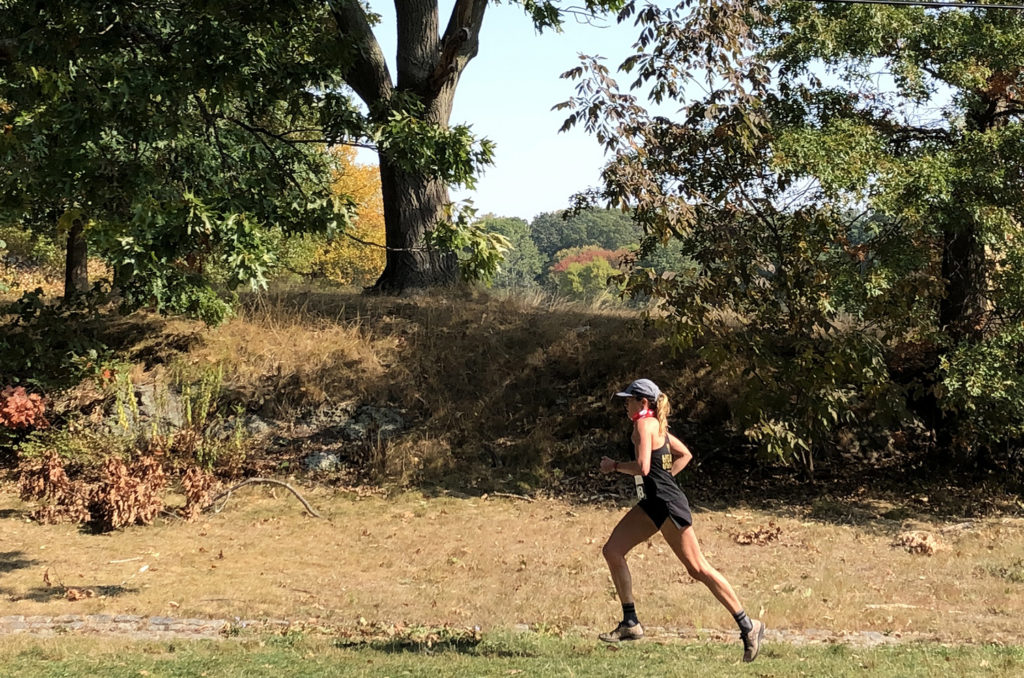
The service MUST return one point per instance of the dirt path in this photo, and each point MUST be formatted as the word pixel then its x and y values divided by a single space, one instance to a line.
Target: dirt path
pixel 139 627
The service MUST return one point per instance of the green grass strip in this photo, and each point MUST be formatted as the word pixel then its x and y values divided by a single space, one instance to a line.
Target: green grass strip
pixel 493 654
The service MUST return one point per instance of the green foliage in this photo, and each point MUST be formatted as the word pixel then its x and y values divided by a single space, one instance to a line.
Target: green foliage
pixel 587 273
pixel 179 137
pixel 199 400
pixel 480 252
pixel 51 346
pixel 522 263
pixel 128 115
pixel 19 245
pixel 825 226
pixel 985 382
pixel 295 254
pixel 83 448
pixel 415 145
pixel 556 231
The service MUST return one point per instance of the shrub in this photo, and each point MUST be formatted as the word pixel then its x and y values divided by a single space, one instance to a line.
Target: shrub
pixel 586 274
pixel 127 493
pixel 21 410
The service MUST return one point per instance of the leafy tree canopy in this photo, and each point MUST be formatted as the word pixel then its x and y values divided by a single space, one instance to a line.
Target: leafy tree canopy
pixel 856 237
pixel 522 264
pixel 134 119
pixel 179 135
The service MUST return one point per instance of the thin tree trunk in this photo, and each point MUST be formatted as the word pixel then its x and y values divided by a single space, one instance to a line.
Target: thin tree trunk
pixel 76 272
pixel 963 310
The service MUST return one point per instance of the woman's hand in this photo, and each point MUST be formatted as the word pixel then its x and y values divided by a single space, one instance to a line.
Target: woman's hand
pixel 607 465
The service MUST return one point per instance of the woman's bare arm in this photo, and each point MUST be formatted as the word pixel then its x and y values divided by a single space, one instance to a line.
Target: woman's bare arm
pixel 681 454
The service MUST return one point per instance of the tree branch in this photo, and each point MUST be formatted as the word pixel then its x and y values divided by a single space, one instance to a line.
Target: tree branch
pixel 211 126
pixel 258 133
pixel 368 76
pixel 461 41
pixel 418 42
pixel 266 481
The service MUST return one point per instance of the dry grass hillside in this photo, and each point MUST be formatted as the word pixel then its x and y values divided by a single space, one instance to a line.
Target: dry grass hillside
pixel 498 392
pixel 495 388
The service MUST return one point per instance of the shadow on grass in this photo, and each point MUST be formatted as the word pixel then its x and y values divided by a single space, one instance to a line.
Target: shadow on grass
pixel 421 641
pixel 49 594
pixel 15 560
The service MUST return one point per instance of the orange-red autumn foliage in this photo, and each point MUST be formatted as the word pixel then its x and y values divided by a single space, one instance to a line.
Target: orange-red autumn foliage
pixel 22 410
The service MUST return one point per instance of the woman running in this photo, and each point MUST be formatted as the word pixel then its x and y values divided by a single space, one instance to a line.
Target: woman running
pixel 659 456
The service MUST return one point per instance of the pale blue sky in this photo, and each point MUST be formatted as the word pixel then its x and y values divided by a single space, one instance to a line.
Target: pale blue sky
pixel 506 94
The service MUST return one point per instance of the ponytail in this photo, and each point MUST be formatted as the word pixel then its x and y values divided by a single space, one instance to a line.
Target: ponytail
pixel 662 407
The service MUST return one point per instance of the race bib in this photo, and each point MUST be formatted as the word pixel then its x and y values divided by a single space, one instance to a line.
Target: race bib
pixel 639 482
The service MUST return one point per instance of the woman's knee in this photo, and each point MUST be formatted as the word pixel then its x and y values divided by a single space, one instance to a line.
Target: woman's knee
pixel 612 552
pixel 700 572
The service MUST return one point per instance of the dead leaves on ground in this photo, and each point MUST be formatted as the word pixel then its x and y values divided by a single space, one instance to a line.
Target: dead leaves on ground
pixel 70 593
pixel 760 536
pixel 920 543
pixel 74 594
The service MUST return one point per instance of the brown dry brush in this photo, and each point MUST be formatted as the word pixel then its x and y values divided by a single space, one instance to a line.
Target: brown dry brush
pixel 45 480
pixel 197 485
pixel 127 494
pixel 21 410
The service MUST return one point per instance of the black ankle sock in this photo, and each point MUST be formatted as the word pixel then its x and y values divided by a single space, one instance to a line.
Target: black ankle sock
pixel 743 621
pixel 629 614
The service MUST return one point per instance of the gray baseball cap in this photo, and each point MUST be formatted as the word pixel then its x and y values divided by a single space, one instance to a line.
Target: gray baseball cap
pixel 641 388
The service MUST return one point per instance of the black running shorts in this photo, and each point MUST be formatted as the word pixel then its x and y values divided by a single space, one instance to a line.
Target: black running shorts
pixel 659 510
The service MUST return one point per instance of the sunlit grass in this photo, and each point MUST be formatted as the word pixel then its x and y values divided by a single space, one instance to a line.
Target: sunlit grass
pixel 497 654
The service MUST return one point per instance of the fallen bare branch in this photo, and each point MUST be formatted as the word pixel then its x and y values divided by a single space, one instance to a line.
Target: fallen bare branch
pixel 509 495
pixel 265 481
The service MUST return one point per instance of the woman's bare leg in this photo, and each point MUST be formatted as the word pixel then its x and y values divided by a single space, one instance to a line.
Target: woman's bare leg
pixel 687 549
pixel 684 543
pixel 634 528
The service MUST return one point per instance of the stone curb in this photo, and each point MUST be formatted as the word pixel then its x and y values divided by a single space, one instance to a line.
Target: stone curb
pixel 136 626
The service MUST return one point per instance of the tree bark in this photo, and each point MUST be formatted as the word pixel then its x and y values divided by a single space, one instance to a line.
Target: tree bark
pixel 962 312
pixel 76 272
pixel 416 204
pixel 429 66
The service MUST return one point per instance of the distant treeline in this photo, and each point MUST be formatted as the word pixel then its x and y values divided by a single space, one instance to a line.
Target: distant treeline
pixel 575 255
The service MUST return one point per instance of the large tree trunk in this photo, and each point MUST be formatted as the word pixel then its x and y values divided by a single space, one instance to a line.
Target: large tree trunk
pixel 429 65
pixel 76 272
pixel 412 206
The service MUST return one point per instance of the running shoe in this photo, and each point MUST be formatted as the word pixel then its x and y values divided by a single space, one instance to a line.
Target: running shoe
pixel 752 640
pixel 623 632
